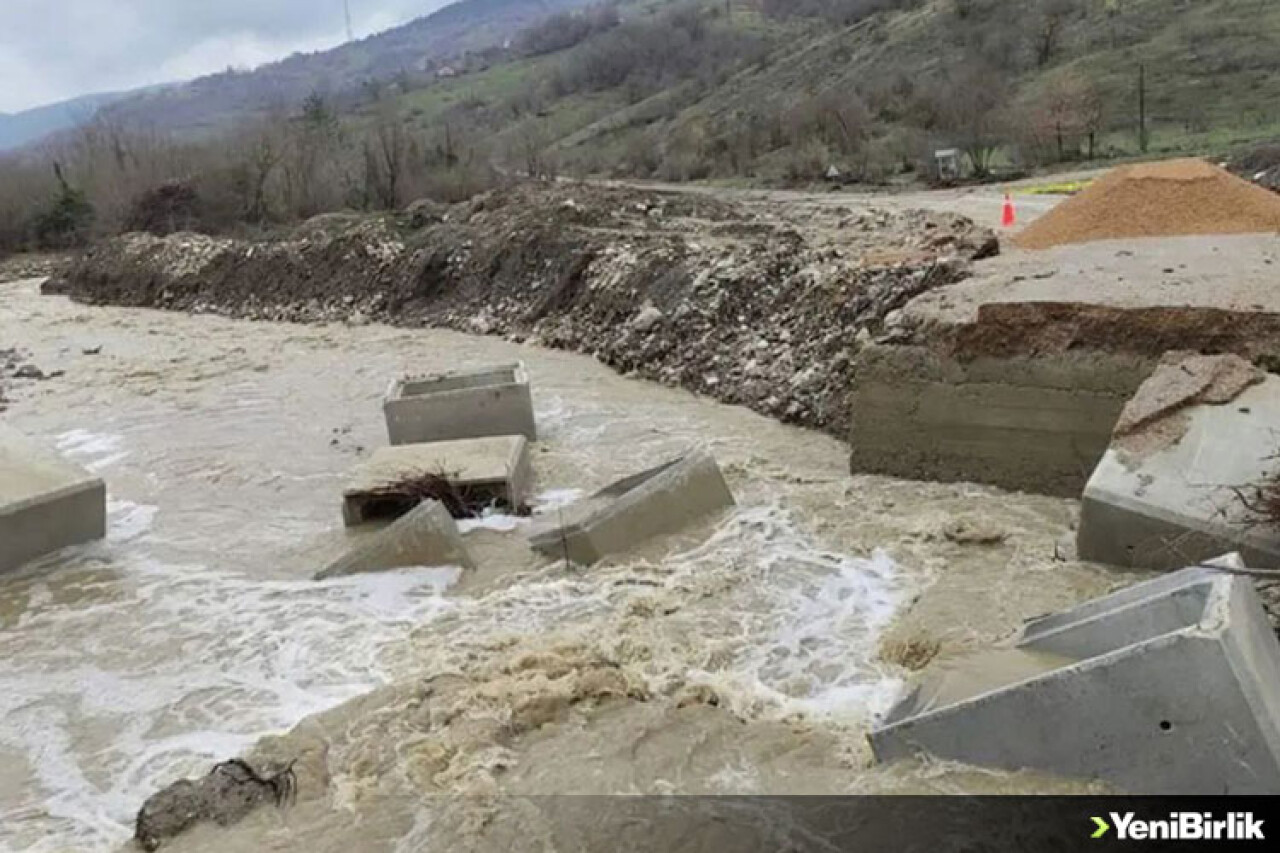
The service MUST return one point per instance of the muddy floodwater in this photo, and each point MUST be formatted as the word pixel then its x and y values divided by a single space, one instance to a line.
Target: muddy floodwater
pixel 746 655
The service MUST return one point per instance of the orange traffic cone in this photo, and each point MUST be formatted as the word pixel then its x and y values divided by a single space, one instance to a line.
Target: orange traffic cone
pixel 1010 217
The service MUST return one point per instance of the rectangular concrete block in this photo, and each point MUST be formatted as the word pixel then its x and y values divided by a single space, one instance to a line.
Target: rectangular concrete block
pixel 46 502
pixel 1179 501
pixel 662 500
pixel 1168 687
pixel 464 404
pixel 1026 424
pixel 487 470
pixel 426 536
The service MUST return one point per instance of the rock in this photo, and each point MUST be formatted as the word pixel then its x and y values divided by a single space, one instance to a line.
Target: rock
pixel 29 371
pixel 647 319
pixel 226 796
pixel 970 531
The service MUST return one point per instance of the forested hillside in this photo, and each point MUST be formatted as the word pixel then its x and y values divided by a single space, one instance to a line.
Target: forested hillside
pixel 742 90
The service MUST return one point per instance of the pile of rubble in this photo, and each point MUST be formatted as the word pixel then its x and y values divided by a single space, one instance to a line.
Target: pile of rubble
pixel 756 306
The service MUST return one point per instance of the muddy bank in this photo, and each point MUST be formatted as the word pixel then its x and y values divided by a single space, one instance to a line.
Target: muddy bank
pixel 748 304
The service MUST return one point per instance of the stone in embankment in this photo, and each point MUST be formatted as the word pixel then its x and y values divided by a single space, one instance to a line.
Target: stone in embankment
pixel 46 502
pixel 1167 687
pixel 621 516
pixel 427 536
pixel 1024 423
pixel 1178 484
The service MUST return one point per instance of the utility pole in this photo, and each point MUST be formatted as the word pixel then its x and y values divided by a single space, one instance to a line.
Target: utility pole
pixel 346 7
pixel 1142 108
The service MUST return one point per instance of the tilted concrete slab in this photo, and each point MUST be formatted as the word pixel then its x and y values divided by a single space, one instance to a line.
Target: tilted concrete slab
pixel 662 500
pixel 489 470
pixel 1167 687
pixel 1176 493
pixel 46 502
pixel 427 536
pixel 464 404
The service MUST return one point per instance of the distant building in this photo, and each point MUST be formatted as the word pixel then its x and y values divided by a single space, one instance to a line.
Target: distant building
pixel 447 71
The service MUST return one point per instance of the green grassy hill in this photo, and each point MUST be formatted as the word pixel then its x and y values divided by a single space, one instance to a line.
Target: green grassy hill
pixel 772 89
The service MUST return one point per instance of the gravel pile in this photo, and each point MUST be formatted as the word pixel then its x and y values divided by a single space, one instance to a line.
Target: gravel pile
pixel 1176 197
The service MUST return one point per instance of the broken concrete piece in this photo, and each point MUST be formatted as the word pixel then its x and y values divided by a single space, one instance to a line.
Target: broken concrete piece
pixel 1165 503
pixel 484 471
pixel 46 502
pixel 1167 687
pixel 1153 418
pixel 427 536
pixel 464 404
pixel 615 519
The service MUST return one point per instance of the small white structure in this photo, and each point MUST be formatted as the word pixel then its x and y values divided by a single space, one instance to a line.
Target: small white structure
pixel 1167 687
pixel 662 500
pixel 484 470
pixel 46 502
pixel 463 404
pixel 948 163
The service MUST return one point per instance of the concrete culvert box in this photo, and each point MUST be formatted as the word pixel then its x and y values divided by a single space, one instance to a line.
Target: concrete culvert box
pixel 1180 482
pixel 427 536
pixel 481 472
pixel 46 502
pixel 1167 687
pixel 661 500
pixel 463 404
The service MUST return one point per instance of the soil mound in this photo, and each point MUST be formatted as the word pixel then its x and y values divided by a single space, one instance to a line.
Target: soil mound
pixel 752 305
pixel 1177 197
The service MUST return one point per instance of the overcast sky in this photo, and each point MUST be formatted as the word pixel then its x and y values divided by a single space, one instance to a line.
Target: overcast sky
pixel 51 50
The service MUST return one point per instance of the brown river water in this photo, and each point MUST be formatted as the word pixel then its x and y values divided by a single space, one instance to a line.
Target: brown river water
pixel 742 656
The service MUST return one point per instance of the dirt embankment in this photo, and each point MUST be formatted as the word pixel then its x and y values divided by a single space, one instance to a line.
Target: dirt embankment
pixel 746 304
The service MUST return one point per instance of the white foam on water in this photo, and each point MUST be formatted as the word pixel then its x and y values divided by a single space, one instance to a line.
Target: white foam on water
pixel 496 521
pixel 554 500
pixel 167 668
pixel 95 451
pixel 808 624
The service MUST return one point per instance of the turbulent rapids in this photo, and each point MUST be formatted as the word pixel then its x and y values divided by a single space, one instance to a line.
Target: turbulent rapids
pixel 747 655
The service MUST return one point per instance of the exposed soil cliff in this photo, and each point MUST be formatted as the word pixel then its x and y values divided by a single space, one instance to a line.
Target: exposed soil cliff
pixel 750 305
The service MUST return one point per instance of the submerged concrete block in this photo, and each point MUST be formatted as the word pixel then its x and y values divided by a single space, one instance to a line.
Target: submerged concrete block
pixel 1175 489
pixel 615 519
pixel 427 536
pixel 482 470
pixel 463 404
pixel 1167 687
pixel 46 502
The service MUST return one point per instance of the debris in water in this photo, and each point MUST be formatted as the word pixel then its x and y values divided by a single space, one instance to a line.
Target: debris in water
pixel 226 796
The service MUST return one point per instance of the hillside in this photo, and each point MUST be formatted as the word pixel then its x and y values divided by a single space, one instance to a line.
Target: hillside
pixel 764 88
pixel 20 128
pixel 409 53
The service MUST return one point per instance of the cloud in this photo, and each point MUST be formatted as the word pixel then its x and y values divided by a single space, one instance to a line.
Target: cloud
pixel 51 50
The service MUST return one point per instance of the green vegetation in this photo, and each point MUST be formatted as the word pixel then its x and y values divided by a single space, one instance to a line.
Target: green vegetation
pixel 731 91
